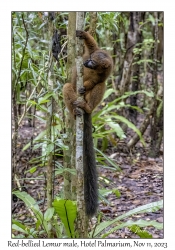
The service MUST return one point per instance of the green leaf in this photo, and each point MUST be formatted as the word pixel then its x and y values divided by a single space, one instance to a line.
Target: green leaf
pixel 58 227
pixel 152 19
pixel 108 159
pixel 41 101
pixel 134 107
pixel 36 138
pixel 48 214
pixel 37 146
pixel 60 144
pixel 116 192
pixel 103 199
pixel 59 171
pixel 31 170
pixel 18 226
pixel 151 207
pixel 135 227
pixel 42 108
pixel 63 170
pixel 112 105
pixel 45 98
pixel 31 203
pixel 29 50
pixel 127 94
pixel 67 211
pixel 49 148
pixel 32 102
pixel 159 109
pixel 108 92
pixel 43 24
pixel 43 119
pixel 142 233
pixel 33 73
pixel 105 192
pixel 116 127
pixel 143 61
pixel 19 229
pixel 130 125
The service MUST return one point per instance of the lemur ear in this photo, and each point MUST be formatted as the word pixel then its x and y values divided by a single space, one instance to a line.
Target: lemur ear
pixel 105 63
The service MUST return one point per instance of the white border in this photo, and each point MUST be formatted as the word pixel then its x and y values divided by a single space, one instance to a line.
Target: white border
pixel 5 97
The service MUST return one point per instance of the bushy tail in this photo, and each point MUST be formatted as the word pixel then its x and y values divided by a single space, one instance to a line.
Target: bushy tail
pixel 90 171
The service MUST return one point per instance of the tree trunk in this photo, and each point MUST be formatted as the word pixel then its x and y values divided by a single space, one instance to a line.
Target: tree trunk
pixel 154 151
pixel 50 139
pixel 131 39
pixel 82 222
pixel 93 23
pixel 136 16
pixel 69 155
pixel 127 65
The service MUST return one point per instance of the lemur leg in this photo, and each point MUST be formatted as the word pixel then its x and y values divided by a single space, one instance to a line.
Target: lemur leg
pixel 69 96
pixel 92 98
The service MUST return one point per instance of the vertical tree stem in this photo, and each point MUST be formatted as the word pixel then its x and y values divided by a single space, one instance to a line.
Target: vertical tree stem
pixel 51 110
pixel 69 155
pixel 82 219
pixel 154 120
pixel 93 23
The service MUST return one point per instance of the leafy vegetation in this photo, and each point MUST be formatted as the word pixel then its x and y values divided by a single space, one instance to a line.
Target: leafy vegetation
pixel 65 210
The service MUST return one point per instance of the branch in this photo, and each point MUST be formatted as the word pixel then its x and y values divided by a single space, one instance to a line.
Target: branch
pixel 23 53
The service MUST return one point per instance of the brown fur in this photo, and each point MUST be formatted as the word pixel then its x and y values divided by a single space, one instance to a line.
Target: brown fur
pixel 97 67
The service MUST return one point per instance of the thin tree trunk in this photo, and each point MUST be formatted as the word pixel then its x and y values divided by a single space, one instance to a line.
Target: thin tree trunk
pixel 14 99
pixel 69 155
pixel 15 134
pixel 131 39
pixel 135 68
pixel 154 121
pixel 51 109
pixel 127 65
pixel 159 126
pixel 82 222
pixel 160 36
pixel 93 23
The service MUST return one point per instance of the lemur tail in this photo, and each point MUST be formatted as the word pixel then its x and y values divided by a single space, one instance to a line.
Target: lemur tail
pixel 90 171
